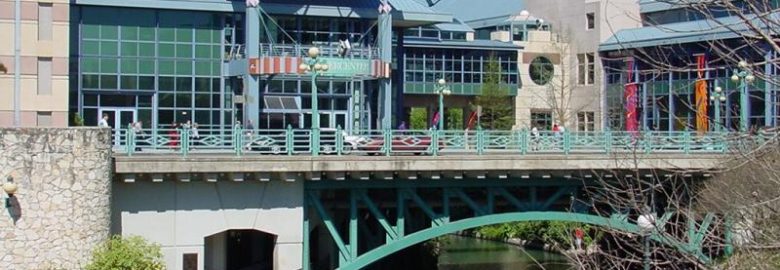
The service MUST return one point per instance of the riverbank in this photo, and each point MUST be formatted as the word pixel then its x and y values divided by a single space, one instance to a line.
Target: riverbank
pixel 537 245
pixel 471 253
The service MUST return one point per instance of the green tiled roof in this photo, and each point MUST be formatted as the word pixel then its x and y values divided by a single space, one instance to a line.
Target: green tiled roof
pixel 678 33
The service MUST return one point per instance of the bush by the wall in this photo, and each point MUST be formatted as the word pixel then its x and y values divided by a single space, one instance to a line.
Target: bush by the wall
pixel 126 253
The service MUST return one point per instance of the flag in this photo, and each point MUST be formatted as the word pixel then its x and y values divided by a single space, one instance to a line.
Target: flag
pixel 435 119
pixel 632 124
pixel 472 121
pixel 702 119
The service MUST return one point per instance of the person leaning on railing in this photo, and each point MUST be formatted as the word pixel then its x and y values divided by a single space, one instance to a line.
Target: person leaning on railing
pixel 137 129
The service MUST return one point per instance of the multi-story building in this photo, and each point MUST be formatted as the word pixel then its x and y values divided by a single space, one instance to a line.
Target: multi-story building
pixel 35 66
pixel 676 72
pixel 573 95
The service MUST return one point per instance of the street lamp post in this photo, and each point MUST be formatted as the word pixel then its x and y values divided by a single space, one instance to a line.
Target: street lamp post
pixel 744 76
pixel 646 224
pixel 442 90
pixel 717 97
pixel 315 66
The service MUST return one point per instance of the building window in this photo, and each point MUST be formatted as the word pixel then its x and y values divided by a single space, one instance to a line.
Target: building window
pixel 44 76
pixel 541 70
pixel 542 120
pixel 590 19
pixel 586 68
pixel 585 121
pixel 43 119
pixel 44 21
pixel 190 261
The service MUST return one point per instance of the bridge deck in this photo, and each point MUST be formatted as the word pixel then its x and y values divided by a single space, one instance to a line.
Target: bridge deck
pixel 210 163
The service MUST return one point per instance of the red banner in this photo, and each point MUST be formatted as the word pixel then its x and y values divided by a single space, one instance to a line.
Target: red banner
pixel 632 124
pixel 472 121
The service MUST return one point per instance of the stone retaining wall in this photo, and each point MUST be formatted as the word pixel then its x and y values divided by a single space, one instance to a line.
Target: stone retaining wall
pixel 62 208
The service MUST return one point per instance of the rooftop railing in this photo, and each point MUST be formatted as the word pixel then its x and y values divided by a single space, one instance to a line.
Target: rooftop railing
pixel 418 142
pixel 296 50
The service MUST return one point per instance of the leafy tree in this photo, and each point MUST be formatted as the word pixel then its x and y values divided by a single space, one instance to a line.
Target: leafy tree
pixel 497 107
pixel 418 119
pixel 129 253
pixel 454 119
pixel 77 120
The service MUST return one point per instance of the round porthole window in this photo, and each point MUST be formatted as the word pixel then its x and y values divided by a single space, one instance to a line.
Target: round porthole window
pixel 541 70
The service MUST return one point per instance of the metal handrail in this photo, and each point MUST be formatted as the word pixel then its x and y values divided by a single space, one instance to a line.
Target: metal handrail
pixel 298 50
pixel 419 142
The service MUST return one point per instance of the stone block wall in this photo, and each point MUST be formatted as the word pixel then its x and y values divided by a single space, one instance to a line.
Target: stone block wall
pixel 62 208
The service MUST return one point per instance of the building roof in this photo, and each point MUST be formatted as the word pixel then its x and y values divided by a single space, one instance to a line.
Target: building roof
pixel 467 10
pixel 683 32
pixel 405 12
pixel 459 44
pixel 647 6
pixel 454 26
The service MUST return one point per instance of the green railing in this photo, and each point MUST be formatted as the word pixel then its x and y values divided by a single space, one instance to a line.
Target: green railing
pixel 421 142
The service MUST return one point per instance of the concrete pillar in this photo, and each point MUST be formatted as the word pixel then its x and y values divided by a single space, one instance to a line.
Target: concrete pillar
pixel 252 82
pixel 386 55
pixel 398 75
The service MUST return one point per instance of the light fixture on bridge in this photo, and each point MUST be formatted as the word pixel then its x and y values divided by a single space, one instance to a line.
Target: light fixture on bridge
pixel 10 188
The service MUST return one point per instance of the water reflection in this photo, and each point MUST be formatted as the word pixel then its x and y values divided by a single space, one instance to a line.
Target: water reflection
pixel 464 253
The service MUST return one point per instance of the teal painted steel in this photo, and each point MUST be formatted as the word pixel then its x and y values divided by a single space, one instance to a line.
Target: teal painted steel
pixel 344 253
pixel 728 236
pixel 391 233
pixel 353 221
pixel 460 225
pixel 421 142
pixel 532 210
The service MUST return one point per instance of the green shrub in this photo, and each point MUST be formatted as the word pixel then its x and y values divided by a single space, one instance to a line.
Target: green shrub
pixel 418 119
pixel 129 253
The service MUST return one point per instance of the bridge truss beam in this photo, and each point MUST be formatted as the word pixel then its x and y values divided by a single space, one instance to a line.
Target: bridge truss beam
pixel 368 222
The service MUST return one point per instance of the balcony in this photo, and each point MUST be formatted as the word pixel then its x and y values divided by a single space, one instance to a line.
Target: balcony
pixel 236 63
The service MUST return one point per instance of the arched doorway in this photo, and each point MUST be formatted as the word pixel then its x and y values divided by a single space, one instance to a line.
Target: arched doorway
pixel 240 250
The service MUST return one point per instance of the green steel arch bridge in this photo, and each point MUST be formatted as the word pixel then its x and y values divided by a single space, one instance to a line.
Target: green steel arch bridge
pixel 367 221
pixel 393 189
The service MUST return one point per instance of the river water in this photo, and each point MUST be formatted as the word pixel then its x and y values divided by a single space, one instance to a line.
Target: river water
pixel 465 253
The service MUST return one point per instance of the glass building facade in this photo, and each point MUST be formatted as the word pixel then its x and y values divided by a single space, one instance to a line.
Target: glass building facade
pixel 666 100
pixel 165 66
pixel 161 66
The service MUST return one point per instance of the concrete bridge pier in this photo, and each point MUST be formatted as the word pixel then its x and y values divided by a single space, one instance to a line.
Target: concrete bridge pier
pixel 207 224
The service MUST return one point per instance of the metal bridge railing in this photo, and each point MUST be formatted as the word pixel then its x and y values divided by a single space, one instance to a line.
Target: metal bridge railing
pixel 297 50
pixel 419 142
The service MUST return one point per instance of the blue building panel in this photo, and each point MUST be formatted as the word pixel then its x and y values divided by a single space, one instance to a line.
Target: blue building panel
pixel 647 6
pixel 680 33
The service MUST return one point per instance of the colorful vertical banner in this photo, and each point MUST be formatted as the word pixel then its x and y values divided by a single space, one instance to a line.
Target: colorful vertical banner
pixel 702 118
pixel 630 95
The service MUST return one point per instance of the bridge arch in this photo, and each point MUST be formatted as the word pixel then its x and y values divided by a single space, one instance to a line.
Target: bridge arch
pixel 432 232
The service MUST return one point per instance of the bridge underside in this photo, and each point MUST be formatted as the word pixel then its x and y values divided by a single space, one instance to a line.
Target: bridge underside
pixel 357 223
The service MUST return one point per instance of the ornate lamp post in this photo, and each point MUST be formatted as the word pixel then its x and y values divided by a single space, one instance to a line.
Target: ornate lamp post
pixel 717 97
pixel 443 90
pixel 646 223
pixel 315 66
pixel 743 76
